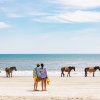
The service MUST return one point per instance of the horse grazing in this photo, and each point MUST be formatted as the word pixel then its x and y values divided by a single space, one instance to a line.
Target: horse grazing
pixel 67 69
pixel 9 71
pixel 91 69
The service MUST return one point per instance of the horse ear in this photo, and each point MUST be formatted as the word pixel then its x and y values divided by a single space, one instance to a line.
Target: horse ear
pixel 69 66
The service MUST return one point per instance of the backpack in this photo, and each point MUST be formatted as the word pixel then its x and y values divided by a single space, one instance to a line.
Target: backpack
pixel 36 72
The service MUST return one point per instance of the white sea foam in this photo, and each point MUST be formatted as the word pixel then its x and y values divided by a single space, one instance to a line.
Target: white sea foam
pixel 50 73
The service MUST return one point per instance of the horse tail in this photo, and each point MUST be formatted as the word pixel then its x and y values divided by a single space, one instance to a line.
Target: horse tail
pixel 85 72
pixel 62 69
pixel 5 69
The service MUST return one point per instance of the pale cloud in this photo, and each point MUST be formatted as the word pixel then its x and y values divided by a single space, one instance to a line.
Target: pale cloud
pixel 49 19
pixel 80 16
pixel 14 9
pixel 82 4
pixel 37 13
pixel 13 15
pixel 70 17
pixel 10 12
pixel 4 25
pixel 46 36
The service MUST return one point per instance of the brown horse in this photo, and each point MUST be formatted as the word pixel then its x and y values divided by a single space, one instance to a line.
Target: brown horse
pixel 9 71
pixel 91 69
pixel 67 69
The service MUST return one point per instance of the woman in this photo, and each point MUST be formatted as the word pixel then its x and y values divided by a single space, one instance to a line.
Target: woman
pixel 43 76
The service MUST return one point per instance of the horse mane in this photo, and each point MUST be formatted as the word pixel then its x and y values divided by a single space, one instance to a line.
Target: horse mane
pixel 96 67
pixel 13 67
pixel 69 67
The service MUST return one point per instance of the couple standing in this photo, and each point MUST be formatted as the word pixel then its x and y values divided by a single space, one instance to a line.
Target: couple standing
pixel 40 74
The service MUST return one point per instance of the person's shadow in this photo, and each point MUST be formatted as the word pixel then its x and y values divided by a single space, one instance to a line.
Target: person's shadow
pixel 34 91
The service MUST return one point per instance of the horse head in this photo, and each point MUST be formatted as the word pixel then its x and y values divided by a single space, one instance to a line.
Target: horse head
pixel 97 67
pixel 14 68
pixel 73 68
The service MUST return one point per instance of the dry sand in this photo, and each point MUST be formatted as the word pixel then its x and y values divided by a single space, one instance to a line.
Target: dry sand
pixel 60 88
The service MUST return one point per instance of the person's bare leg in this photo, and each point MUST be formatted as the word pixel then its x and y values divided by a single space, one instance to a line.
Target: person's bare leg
pixel 45 84
pixel 36 85
pixel 42 84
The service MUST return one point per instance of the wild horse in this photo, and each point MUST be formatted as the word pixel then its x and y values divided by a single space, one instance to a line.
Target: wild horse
pixel 91 69
pixel 67 69
pixel 9 71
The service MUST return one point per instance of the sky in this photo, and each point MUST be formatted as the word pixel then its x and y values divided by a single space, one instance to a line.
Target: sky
pixel 49 26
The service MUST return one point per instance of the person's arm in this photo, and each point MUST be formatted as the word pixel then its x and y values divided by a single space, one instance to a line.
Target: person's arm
pixel 34 72
pixel 46 73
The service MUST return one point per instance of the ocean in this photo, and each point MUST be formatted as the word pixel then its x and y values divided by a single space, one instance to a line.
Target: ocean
pixel 52 62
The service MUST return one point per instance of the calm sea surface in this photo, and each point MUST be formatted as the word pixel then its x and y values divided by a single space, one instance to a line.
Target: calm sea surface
pixel 51 61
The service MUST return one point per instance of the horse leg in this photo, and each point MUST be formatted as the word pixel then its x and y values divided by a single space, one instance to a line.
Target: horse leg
pixel 93 74
pixel 62 73
pixel 11 74
pixel 85 74
pixel 6 74
pixel 69 74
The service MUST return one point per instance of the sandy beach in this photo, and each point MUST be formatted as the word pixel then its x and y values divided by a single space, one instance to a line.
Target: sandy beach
pixel 60 88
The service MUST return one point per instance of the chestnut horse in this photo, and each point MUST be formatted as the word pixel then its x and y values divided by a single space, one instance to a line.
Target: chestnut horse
pixel 9 71
pixel 67 69
pixel 91 69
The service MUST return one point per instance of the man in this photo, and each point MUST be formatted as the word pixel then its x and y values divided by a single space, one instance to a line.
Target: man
pixel 36 76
